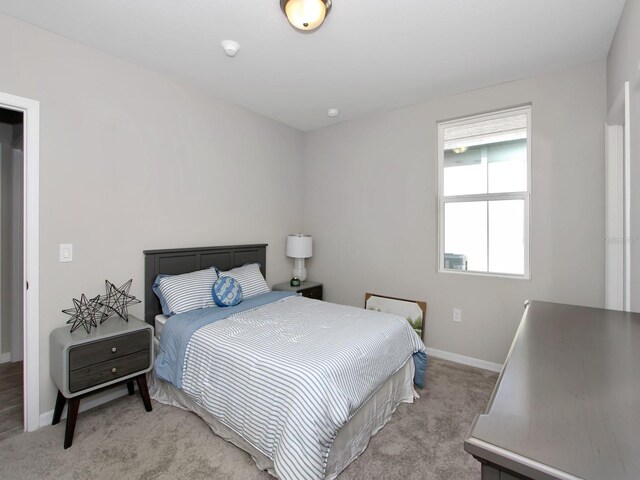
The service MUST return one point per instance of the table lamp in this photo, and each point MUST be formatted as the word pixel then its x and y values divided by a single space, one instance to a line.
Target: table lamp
pixel 299 247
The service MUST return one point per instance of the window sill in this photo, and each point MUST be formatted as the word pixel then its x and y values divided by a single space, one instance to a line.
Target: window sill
pixel 472 273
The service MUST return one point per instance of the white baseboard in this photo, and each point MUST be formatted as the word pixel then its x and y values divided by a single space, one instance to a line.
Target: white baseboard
pixel 5 357
pixel 472 362
pixel 87 404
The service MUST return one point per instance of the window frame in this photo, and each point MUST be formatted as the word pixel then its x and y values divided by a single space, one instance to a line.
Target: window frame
pixel 525 195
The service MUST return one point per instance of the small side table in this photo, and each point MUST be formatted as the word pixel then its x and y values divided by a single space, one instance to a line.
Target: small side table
pixel 84 363
pixel 306 289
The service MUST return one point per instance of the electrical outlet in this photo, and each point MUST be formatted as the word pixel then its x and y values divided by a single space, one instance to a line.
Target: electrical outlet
pixel 457 315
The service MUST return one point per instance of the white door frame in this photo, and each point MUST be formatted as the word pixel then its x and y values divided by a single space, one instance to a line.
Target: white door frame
pixel 30 307
pixel 618 203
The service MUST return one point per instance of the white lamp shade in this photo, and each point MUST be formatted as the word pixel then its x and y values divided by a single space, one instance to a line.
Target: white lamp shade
pixel 299 246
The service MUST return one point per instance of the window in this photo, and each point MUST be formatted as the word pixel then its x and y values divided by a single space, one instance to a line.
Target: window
pixel 483 194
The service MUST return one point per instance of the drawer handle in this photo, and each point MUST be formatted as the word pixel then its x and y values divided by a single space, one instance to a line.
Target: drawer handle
pixel 113 370
pixel 114 349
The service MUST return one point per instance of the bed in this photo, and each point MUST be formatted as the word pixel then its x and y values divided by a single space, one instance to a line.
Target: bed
pixel 277 375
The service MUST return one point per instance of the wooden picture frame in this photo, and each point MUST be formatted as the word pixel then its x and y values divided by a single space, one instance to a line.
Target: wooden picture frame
pixel 415 311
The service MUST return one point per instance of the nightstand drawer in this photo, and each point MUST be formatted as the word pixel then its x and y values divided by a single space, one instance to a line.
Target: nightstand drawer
pixel 92 353
pixel 104 372
pixel 314 292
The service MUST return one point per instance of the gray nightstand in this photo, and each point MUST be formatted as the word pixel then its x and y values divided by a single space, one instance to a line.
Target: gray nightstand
pixel 306 289
pixel 81 364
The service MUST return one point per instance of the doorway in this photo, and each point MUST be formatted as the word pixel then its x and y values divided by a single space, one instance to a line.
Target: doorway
pixel 26 261
pixel 11 274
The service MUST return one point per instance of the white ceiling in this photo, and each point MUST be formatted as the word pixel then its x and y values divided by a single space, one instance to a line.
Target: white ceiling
pixel 370 55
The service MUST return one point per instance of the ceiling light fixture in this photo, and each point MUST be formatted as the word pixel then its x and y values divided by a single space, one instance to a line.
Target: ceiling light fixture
pixel 306 15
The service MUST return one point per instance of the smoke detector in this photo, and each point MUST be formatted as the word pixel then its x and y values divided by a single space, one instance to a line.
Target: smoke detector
pixel 333 112
pixel 230 47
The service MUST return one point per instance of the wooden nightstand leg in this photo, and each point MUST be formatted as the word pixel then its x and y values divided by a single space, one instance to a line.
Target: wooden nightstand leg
pixel 57 412
pixel 72 416
pixel 144 391
pixel 130 387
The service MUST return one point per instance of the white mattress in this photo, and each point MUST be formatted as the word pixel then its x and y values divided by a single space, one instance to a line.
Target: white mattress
pixel 352 438
pixel 158 323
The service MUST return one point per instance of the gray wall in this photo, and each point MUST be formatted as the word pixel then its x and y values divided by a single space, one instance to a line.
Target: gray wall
pixel 131 160
pixel 16 251
pixel 6 156
pixel 371 203
pixel 623 64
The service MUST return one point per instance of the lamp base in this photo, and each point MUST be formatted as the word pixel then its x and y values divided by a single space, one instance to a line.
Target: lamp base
pixel 295 282
pixel 299 271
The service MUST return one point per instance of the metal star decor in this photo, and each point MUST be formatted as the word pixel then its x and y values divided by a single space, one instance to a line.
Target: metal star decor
pixel 117 301
pixel 84 312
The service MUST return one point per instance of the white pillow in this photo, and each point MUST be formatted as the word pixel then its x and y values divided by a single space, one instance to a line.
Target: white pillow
pixel 189 291
pixel 250 279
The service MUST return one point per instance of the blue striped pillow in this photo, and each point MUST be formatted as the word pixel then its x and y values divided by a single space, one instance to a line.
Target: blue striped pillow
pixel 188 291
pixel 226 292
pixel 250 279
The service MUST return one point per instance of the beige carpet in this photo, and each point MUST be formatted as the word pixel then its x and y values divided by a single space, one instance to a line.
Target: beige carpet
pixel 121 441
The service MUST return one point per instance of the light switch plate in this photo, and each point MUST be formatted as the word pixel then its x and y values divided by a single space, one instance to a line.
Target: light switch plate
pixel 66 252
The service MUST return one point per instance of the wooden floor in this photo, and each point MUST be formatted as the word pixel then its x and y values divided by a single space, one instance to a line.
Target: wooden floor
pixel 10 399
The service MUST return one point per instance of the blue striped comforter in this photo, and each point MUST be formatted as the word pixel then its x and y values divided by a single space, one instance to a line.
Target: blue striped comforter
pixel 287 375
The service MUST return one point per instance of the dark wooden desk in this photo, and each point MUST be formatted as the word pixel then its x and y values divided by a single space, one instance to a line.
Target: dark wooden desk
pixel 567 404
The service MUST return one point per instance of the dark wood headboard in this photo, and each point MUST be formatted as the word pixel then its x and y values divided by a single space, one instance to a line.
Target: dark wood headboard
pixel 183 260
